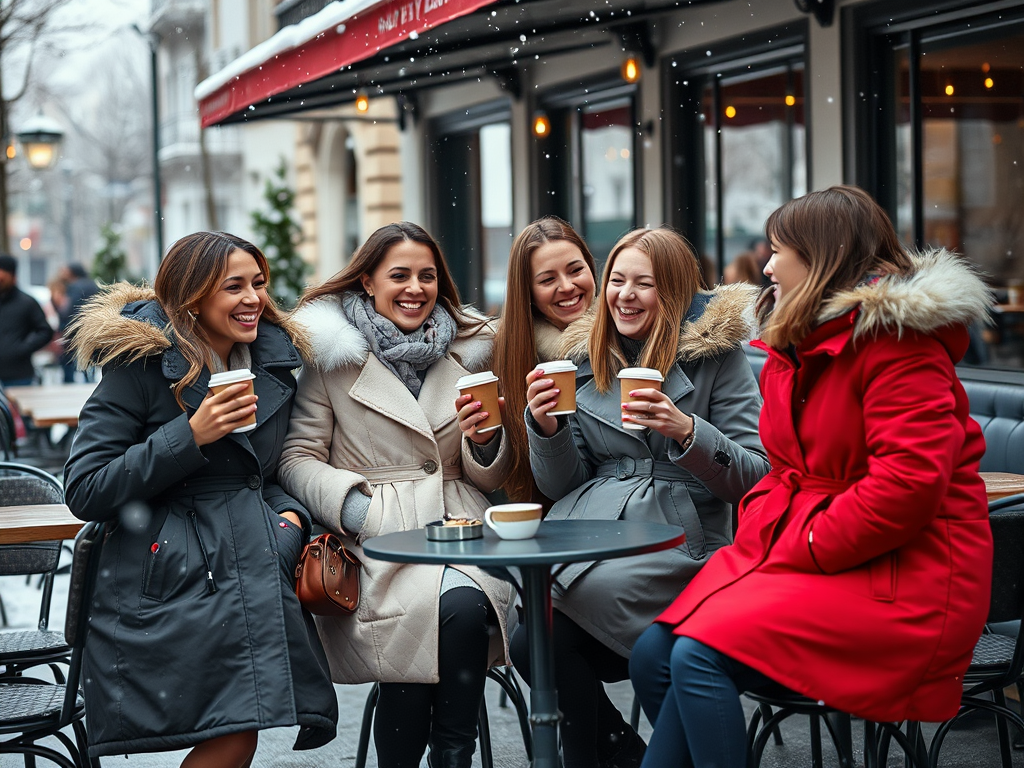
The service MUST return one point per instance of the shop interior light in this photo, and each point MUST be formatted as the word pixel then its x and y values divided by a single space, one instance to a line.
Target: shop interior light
pixel 730 111
pixel 949 90
pixel 362 101
pixel 631 70
pixel 989 82
pixel 790 99
pixel 11 151
pixel 26 243
pixel 985 67
pixel 541 125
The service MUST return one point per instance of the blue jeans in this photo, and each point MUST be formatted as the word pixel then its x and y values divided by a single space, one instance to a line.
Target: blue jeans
pixel 692 695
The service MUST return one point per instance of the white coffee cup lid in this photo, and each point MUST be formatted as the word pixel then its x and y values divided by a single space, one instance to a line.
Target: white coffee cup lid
pixel 653 374
pixel 231 377
pixel 557 366
pixel 475 379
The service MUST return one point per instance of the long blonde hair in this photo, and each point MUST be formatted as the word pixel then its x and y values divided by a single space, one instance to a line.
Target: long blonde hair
pixel 515 348
pixel 677 278
pixel 841 234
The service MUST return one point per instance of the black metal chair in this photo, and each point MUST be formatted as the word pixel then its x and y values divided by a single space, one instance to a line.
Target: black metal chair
pixel 30 709
pixel 19 650
pixel 503 676
pixel 998 659
pixel 8 435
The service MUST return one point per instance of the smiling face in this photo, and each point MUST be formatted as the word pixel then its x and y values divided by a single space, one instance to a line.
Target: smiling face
pixel 785 269
pixel 631 295
pixel 230 314
pixel 404 285
pixel 562 285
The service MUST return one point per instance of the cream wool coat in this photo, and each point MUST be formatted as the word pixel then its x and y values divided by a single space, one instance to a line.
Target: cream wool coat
pixel 355 425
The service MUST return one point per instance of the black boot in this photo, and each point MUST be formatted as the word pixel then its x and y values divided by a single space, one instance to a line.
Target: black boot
pixel 623 750
pixel 460 757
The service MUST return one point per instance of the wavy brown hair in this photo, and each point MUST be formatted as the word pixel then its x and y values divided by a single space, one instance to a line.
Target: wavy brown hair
pixel 515 348
pixel 371 253
pixel 191 271
pixel 677 277
pixel 842 235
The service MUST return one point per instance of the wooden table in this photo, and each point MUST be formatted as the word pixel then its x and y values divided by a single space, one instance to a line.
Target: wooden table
pixel 52 403
pixel 999 485
pixel 37 522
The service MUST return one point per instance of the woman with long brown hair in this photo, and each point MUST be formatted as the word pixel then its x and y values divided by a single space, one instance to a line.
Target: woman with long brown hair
pixel 681 454
pixel 551 282
pixel 870 538
pixel 376 445
pixel 193 640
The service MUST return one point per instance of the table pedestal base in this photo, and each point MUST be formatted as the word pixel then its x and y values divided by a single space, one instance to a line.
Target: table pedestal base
pixel 544 714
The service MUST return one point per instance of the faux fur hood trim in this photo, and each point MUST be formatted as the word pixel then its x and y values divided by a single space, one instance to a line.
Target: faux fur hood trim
pixel 547 339
pixel 124 322
pixel 717 322
pixel 941 290
pixel 336 343
pixel 101 334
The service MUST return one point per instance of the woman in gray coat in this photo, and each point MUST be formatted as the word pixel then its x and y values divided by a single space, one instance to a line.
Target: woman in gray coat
pixel 196 638
pixel 691 451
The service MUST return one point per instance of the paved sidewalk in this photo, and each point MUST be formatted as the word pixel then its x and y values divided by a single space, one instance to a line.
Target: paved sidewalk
pixel 971 746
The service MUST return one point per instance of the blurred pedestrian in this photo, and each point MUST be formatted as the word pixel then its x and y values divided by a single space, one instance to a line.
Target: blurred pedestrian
pixel 79 289
pixel 23 327
pixel 196 637
pixel 744 268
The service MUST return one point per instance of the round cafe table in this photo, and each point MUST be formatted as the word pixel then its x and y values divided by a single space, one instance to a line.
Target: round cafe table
pixel 557 541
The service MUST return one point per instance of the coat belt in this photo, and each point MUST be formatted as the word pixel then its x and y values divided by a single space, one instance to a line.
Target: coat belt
pixel 798 481
pixel 404 473
pixel 626 467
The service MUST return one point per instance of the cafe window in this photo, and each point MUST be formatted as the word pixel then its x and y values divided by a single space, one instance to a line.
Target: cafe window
pixel 471 199
pixel 587 165
pixel 739 144
pixel 947 156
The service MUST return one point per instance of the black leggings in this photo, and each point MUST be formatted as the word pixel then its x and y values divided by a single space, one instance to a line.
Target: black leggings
pixel 411 714
pixel 591 725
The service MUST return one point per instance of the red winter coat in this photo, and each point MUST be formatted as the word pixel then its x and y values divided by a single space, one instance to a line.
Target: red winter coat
pixel 862 564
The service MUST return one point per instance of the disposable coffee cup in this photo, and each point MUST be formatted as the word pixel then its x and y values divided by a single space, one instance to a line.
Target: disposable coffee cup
pixel 483 387
pixel 563 373
pixel 220 381
pixel 513 521
pixel 637 378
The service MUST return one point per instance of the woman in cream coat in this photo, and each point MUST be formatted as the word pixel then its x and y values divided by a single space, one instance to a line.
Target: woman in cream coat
pixel 376 445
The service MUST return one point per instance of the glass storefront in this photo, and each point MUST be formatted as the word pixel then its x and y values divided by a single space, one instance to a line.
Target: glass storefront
pixel 739 149
pixel 606 153
pixel 471 204
pixel 950 167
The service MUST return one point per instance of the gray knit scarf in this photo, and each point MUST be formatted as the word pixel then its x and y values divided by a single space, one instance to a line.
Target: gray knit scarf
pixel 403 353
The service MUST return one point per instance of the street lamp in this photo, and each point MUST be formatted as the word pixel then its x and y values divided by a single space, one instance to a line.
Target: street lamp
pixel 41 137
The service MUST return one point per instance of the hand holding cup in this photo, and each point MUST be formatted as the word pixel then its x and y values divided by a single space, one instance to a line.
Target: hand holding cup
pixel 230 409
pixel 542 398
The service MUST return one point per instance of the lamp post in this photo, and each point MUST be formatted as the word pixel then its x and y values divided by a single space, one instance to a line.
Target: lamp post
pixel 41 137
pixel 153 40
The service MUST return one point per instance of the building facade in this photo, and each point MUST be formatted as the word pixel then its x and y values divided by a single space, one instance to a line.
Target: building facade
pixel 509 111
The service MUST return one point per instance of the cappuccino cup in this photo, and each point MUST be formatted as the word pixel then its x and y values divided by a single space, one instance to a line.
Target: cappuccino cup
pixel 513 521
pixel 483 387
pixel 563 373
pixel 637 378
pixel 220 381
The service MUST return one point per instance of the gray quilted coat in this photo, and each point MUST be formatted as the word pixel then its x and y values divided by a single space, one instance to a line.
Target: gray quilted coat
pixel 194 628
pixel 599 471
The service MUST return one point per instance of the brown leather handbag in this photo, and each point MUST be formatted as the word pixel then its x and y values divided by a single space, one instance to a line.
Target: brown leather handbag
pixel 327 577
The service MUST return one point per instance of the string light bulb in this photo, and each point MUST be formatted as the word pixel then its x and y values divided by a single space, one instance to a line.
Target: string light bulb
pixel 541 125
pixel 362 102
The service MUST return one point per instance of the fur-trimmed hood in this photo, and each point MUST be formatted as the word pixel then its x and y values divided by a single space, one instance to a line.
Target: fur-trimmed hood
pixel 717 321
pixel 336 343
pixel 547 338
pixel 125 323
pixel 941 290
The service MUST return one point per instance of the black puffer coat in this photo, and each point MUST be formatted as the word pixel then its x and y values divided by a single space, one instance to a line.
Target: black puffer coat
pixel 175 656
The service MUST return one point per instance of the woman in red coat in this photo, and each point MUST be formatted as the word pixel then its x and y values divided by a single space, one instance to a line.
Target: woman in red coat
pixel 861 567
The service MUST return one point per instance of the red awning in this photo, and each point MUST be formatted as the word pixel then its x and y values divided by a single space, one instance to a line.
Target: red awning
pixel 341 34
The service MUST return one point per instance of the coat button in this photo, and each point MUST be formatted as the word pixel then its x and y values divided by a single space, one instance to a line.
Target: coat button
pixel 253 482
pixel 430 466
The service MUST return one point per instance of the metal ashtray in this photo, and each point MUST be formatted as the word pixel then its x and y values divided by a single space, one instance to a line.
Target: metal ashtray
pixel 438 531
